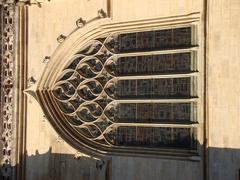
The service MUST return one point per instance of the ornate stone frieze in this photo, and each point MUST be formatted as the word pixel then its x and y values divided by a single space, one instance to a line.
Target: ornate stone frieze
pixel 32 2
pixel 7 91
pixel 23 2
pixel 7 1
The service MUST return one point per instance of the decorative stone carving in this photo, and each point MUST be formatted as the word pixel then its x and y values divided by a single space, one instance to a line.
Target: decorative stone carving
pixel 80 23
pixel 25 2
pixel 31 81
pixel 78 155
pixel 100 164
pixel 7 93
pixel 46 59
pixel 102 13
pixel 32 2
pixel 7 1
pixel 61 38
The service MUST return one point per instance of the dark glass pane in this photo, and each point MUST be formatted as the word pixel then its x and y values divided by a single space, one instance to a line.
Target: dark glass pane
pixel 154 64
pixel 145 65
pixel 172 63
pixel 144 113
pixel 163 39
pixel 154 113
pixel 127 42
pixel 145 40
pixel 182 37
pixel 126 66
pixel 126 89
pixel 125 112
pixel 161 137
pixel 182 62
pixel 144 88
pixel 172 112
pixel 152 40
pixel 154 88
pixel 172 88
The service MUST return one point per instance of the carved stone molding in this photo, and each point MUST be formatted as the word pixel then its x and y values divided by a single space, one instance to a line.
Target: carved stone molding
pixel 13 81
pixel 32 2
pixel 7 80
pixel 7 1
pixel 23 2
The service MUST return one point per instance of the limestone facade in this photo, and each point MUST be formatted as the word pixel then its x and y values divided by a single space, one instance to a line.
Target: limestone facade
pixel 180 119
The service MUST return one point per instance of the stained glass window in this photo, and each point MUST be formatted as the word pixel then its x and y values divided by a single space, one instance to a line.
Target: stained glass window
pixel 133 89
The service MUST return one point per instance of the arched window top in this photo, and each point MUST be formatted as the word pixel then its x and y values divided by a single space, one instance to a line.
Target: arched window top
pixel 126 91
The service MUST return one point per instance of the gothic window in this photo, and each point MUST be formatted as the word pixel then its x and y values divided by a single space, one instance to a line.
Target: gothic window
pixel 132 90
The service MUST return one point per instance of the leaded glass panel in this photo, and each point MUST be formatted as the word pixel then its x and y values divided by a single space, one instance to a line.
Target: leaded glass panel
pixel 151 40
pixel 113 91
pixel 162 137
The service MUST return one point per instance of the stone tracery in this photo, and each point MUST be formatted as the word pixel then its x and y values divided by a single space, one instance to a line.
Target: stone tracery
pixel 113 97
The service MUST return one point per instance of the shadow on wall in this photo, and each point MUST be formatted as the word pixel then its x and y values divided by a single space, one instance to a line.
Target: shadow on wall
pixel 223 164
pixel 54 166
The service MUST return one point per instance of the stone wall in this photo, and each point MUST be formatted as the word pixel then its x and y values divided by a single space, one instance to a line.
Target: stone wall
pixel 48 156
pixel 58 17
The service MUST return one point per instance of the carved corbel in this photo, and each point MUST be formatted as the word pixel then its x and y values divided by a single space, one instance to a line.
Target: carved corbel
pixel 61 38
pixel 46 59
pixel 102 13
pixel 31 81
pixel 80 23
